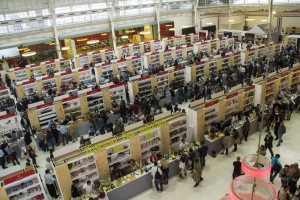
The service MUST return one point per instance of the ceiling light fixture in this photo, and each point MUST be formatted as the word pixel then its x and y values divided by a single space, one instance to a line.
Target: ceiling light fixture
pixel 250 19
pixel 274 12
pixel 104 34
pixel 92 41
pixel 171 29
pixel 81 40
pixel 28 54
pixel 124 37
pixel 169 25
pixel 144 32
pixel 264 20
pixel 65 48
pixel 187 26
pixel 230 20
pixel 209 23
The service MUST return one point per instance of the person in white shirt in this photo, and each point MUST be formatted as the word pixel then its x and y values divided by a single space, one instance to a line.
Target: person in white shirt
pixel 48 164
pixel 49 180
pixel 157 177
pixel 88 187
pixel 183 144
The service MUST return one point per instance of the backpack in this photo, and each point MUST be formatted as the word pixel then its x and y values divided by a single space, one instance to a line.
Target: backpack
pixel 157 175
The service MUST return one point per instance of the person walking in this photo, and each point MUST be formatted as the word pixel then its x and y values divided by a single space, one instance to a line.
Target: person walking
pixel 237 168
pixel 246 128
pixel 182 167
pixel 192 157
pixel 280 132
pixel 50 184
pixel 276 167
pixel 203 153
pixel 197 173
pixel 157 176
pixel 49 142
pixel 269 143
pixel 32 155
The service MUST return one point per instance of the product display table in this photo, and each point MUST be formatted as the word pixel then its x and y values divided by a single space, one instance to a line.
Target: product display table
pixel 140 183
pixel 215 144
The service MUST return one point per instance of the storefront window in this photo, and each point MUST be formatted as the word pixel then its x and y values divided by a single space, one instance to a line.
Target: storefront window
pixel 80 8
pixel 2 18
pixel 13 16
pixel 98 5
pixel 45 12
pixel 61 10
pixel 63 20
pixel 147 10
pixel 99 16
pixel 3 29
pixel 81 18
pixel 167 30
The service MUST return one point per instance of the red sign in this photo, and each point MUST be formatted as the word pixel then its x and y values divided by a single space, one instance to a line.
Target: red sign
pixel 144 78
pixel 44 105
pixel 237 53
pixel 178 48
pixel 231 95
pixel 115 85
pixel 70 98
pixel 178 69
pixel 271 79
pixel 204 43
pixel 106 64
pixel 66 73
pixel 108 50
pixel 162 73
pixel 154 53
pixel 83 69
pixel 34 65
pixel 168 50
pixel 212 103
pixel 200 63
pixel 7 116
pixel 136 57
pixel 249 88
pixel 83 55
pixel 94 53
pixel 284 74
pixel 18 177
pixel 190 45
pixel 157 41
pixel 49 62
pixel 125 47
pixel 261 47
pixel 226 56
pixel 19 69
pixel 48 77
pixel 296 69
pixel 28 82
pixel 94 91
pixel 121 60
pixel 2 88
pixel 64 59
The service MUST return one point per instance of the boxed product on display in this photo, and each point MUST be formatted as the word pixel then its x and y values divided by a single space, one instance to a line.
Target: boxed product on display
pixel 211 112
pixel 178 131
pixel 231 105
pixel 249 97
pixel 119 153
pixel 46 113
pixel 150 142
pixel 145 88
pixel 95 99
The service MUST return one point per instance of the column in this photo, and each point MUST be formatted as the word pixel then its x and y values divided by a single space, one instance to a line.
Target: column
pixel 196 16
pixel 53 22
pixel 157 9
pixel 113 34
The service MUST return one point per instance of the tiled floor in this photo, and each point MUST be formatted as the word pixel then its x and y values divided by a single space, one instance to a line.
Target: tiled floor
pixel 217 174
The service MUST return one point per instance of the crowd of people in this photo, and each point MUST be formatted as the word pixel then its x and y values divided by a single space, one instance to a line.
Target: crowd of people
pixel 145 108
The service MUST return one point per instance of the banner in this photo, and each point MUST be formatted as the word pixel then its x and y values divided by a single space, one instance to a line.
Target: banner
pixel 125 136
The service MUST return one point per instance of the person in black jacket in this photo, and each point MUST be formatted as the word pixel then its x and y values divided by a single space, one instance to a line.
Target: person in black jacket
pixel 269 143
pixel 203 153
pixel 27 138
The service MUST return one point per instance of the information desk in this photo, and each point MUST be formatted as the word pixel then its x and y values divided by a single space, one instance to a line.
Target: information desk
pixel 140 184
pixel 216 144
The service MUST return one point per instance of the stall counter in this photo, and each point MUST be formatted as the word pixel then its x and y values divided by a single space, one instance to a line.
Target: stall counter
pixel 215 144
pixel 140 184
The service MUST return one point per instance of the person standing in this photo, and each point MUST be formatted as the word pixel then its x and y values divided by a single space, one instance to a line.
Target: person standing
pixel 183 144
pixel 284 175
pixel 284 193
pixel 50 184
pixel 165 170
pixel 246 128
pixel 192 157
pixel 88 187
pixel 197 173
pixel 280 132
pixel 2 159
pixel 182 167
pixel 269 143
pixel 227 139
pixel 236 139
pixel 64 133
pixel 32 155
pixel 157 177
pixel 276 167
pixel 203 153
pixel 26 123
pixel 237 168
pixel 55 134
pixel 42 139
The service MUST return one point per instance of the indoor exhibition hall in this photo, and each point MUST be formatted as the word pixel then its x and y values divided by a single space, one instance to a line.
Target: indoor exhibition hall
pixel 149 99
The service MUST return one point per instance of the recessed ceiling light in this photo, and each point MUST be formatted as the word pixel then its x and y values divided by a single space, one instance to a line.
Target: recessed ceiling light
pixel 92 41
pixel 31 53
